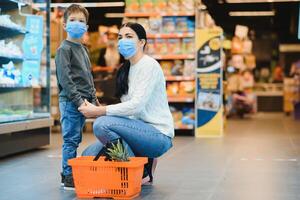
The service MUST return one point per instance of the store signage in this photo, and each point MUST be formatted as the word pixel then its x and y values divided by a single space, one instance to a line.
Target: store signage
pixel 209 83
pixel 32 48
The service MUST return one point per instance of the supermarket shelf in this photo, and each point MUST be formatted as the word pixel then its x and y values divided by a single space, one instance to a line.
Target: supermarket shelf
pixel 9 32
pixel 173 57
pixel 6 59
pixel 177 99
pixel 154 14
pixel 170 35
pixel 180 78
pixel 184 127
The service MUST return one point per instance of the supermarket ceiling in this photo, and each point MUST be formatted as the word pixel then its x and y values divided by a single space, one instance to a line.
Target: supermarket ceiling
pixel 282 17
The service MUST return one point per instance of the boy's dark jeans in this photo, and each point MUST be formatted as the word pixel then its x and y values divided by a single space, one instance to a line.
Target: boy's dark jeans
pixel 72 122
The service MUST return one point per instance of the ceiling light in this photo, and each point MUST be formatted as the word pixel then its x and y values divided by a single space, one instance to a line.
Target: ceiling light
pixel 260 1
pixel 114 15
pixel 251 13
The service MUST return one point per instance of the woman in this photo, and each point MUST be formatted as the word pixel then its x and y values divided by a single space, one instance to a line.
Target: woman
pixel 142 120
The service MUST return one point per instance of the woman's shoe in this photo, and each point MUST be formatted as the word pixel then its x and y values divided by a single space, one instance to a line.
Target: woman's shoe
pixel 149 170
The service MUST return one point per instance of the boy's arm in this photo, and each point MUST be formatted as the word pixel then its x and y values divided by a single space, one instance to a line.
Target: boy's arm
pixel 64 77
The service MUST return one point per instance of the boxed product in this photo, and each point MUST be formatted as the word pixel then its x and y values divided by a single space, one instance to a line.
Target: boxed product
pixel 191 25
pixel 177 69
pixel 188 45
pixel 144 22
pixel 189 67
pixel 167 67
pixel 160 5
pixel 241 31
pixel 187 5
pixel 238 62
pixel 150 46
pixel 155 24
pixel 250 61
pixel 172 89
pixel 173 5
pixel 168 24
pixel 132 5
pixel 181 24
pixel 161 46
pixel 146 5
pixel 174 46
pixel 236 45
pixel 247 46
pixel 186 88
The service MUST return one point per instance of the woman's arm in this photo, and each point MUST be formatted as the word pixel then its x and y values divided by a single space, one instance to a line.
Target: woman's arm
pixel 146 81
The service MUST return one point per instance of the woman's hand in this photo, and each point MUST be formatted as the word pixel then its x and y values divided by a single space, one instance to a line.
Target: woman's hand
pixel 91 111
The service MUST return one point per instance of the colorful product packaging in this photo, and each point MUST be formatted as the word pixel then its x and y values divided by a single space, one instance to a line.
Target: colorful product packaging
pixel 174 46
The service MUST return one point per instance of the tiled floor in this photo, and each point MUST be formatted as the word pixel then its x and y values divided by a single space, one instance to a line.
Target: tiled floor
pixel 257 159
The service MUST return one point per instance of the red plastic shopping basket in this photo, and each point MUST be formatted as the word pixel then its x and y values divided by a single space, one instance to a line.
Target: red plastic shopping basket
pixel 108 179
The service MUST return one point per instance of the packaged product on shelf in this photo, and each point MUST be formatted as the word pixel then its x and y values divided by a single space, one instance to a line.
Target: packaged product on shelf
pixel 167 67
pixel 161 46
pixel 132 6
pixel 247 46
pixel 236 45
pixel 5 21
pixel 173 5
pixel 146 5
pixel 168 24
pixel 150 46
pixel 10 50
pixel 186 88
pixel 172 89
pixel 9 75
pixel 177 69
pixel 144 22
pixel 177 116
pixel 155 24
pixel 191 25
pixel 189 68
pixel 181 24
pixel 250 61
pixel 238 62
pixel 188 45
pixel 174 46
pixel 188 117
pixel 241 31
pixel 128 19
pixel 187 5
pixel 159 5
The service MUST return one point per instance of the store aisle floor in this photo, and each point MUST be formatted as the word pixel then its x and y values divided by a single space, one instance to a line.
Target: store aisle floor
pixel 258 159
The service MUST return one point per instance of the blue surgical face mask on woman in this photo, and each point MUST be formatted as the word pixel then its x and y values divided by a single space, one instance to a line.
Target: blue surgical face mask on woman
pixel 127 47
pixel 76 29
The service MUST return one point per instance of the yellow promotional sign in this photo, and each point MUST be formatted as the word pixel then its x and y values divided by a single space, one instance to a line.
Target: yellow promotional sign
pixel 209 107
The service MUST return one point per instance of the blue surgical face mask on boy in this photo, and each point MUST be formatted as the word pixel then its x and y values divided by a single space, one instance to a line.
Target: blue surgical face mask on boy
pixel 76 29
pixel 127 47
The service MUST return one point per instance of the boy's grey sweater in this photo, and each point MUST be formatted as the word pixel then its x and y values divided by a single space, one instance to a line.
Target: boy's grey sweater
pixel 73 71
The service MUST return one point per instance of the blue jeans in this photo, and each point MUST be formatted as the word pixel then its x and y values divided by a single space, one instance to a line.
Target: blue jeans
pixel 72 122
pixel 139 138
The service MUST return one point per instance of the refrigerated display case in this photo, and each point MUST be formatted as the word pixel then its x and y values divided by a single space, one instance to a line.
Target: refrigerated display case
pixel 24 75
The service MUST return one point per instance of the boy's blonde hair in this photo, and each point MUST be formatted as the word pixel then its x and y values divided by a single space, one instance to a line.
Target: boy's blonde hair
pixel 75 8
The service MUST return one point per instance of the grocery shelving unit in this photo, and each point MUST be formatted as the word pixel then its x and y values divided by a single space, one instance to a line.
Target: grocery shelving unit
pixel 174 100
pixel 24 108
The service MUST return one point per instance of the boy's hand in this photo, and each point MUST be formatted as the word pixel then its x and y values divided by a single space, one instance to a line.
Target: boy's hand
pixel 97 102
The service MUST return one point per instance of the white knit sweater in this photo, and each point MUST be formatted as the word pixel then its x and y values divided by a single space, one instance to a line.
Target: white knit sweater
pixel 147 98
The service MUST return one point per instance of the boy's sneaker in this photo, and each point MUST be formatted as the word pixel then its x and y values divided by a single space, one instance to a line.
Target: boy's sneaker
pixel 69 182
pixel 62 183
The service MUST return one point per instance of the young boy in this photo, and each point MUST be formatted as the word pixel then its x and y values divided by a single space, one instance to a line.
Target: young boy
pixel 75 83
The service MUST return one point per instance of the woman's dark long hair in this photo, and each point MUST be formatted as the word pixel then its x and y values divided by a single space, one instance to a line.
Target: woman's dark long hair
pixel 123 72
